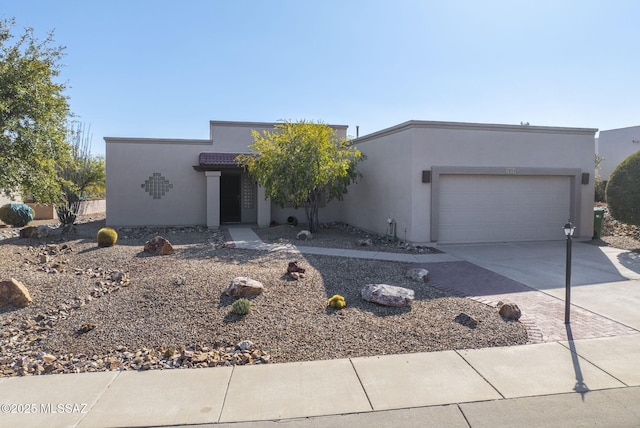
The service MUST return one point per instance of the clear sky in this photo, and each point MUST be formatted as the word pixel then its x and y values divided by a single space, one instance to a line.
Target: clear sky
pixel 141 68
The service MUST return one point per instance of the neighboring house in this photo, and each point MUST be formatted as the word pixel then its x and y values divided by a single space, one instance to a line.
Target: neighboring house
pixel 425 182
pixel 614 146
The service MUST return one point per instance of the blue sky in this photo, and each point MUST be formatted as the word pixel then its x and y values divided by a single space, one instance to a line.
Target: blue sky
pixel 138 68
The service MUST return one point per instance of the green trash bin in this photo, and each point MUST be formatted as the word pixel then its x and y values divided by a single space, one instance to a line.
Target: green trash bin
pixel 598 216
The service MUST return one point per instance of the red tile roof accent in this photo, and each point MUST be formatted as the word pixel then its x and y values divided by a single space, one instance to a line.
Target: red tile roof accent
pixel 218 159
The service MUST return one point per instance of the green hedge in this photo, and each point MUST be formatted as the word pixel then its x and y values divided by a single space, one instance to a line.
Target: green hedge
pixel 623 191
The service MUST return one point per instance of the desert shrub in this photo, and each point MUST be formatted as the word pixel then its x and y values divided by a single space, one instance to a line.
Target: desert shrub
pixel 107 237
pixel 241 306
pixel 337 302
pixel 16 215
pixel 623 191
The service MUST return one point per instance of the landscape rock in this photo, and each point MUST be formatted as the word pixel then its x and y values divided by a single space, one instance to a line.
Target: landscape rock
pixel 245 345
pixel 159 246
pixel 296 276
pixel 387 295
pixel 418 274
pixel 509 311
pixel 364 242
pixel 293 267
pixel 466 320
pixel 242 286
pixel 35 232
pixel 14 293
pixel 294 271
pixel 86 327
pixel 304 235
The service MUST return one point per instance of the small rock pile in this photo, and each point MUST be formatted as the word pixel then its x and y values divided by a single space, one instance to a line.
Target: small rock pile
pixel 164 357
pixel 612 227
pixel 50 257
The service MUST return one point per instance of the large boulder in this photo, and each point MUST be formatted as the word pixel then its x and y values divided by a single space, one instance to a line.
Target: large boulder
pixel 14 293
pixel 509 311
pixel 242 286
pixel 159 246
pixel 387 295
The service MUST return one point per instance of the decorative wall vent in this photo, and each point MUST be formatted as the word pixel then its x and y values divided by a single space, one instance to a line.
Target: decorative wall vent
pixel 248 193
pixel 157 186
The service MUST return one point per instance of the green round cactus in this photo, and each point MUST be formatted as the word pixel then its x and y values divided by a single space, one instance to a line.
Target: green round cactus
pixel 241 306
pixel 107 237
pixel 16 215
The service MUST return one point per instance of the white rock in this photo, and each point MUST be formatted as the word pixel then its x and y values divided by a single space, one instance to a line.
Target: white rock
pixel 387 295
pixel 418 274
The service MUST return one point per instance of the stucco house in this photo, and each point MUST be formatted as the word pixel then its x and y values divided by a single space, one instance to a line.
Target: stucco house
pixel 424 182
pixel 614 146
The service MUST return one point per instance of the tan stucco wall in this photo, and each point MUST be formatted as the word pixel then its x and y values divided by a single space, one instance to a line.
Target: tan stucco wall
pixel 385 189
pixel 229 137
pixel 391 187
pixel 392 184
pixel 130 162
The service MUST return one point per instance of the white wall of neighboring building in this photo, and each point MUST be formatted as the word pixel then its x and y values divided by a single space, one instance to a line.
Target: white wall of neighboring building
pixel 615 145
pixel 6 200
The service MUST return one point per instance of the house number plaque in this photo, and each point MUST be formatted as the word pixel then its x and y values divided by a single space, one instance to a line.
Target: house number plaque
pixel 510 171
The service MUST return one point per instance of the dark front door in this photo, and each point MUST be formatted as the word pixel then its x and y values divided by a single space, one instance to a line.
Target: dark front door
pixel 230 199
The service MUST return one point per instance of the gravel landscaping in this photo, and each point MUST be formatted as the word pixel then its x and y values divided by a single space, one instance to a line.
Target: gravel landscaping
pixel 117 308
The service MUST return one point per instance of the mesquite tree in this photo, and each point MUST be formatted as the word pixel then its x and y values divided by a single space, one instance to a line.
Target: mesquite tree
pixel 33 115
pixel 302 163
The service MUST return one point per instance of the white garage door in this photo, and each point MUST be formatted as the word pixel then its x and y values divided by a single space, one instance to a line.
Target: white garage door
pixel 502 208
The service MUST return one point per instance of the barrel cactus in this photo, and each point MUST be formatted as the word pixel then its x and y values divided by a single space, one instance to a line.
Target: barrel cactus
pixel 337 302
pixel 16 215
pixel 107 237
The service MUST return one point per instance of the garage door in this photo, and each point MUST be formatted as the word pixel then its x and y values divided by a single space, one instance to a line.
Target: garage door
pixel 502 208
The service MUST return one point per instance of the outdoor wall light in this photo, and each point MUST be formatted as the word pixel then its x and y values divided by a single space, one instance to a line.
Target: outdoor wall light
pixel 568 229
pixel 568 232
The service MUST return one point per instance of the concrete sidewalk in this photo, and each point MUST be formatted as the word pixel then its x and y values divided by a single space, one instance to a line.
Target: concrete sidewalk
pixel 550 384
pixel 564 382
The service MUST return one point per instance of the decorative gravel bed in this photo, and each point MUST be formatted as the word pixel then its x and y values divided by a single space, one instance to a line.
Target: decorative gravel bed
pixel 117 308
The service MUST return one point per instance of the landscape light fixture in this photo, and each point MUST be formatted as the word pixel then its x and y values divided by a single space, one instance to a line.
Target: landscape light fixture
pixel 568 232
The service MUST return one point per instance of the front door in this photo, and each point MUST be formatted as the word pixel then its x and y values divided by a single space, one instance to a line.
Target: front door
pixel 230 199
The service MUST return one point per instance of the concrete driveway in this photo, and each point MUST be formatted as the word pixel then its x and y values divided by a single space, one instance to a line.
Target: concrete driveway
pixel 604 280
